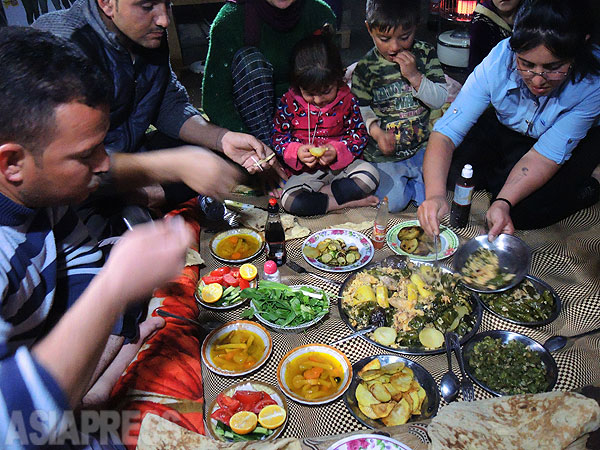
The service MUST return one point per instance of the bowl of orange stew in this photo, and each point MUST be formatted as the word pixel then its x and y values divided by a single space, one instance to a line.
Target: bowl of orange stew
pixel 236 348
pixel 237 246
pixel 314 374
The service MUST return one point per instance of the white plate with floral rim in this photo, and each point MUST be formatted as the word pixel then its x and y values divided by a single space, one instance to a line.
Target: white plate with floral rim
pixel 350 238
pixel 448 242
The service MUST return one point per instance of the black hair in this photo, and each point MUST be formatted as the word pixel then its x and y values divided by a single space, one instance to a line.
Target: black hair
pixel 388 15
pixel 39 72
pixel 563 27
pixel 316 62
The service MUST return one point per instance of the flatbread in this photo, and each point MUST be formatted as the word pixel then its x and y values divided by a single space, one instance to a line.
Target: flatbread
pixel 157 433
pixel 552 420
pixel 193 258
pixel 257 218
pixel 365 225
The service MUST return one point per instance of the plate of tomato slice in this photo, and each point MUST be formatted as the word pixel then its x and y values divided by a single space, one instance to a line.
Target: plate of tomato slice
pixel 225 283
pixel 247 411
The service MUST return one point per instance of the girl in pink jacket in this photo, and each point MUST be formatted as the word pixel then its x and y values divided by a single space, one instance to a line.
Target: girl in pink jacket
pixel 320 134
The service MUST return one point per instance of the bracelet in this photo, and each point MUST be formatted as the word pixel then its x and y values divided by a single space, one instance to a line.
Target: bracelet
pixel 500 199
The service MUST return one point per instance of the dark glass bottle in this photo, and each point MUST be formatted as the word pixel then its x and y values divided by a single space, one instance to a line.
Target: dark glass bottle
pixel 275 235
pixel 461 204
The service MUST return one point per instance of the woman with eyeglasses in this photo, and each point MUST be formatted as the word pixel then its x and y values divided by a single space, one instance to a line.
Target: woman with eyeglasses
pixel 530 149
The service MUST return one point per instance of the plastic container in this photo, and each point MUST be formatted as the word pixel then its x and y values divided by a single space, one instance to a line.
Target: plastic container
pixel 271 272
pixel 380 224
pixel 461 204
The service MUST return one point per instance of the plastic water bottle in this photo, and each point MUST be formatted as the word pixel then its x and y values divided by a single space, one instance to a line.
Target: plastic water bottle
pixel 213 210
pixel 461 204
pixel 271 272
pixel 381 223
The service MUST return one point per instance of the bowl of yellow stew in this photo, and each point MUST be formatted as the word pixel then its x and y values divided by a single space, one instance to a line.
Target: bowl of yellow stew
pixel 314 374
pixel 236 348
pixel 237 246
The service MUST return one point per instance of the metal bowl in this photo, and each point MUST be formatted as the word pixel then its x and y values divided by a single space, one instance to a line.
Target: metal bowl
pixel 226 234
pixel 284 364
pixel 227 328
pixel 302 326
pixel 428 408
pixel 398 262
pixel 506 336
pixel 256 386
pixel 540 286
pixel 514 256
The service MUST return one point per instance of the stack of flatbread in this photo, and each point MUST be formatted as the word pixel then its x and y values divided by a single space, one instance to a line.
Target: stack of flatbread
pixel 157 433
pixel 257 218
pixel 548 421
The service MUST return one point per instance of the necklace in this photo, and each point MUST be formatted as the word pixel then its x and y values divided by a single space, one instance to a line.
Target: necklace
pixel 311 139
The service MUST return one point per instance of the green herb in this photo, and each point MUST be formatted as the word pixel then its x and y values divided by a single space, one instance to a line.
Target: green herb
pixel 227 433
pixel 523 303
pixel 284 306
pixel 509 368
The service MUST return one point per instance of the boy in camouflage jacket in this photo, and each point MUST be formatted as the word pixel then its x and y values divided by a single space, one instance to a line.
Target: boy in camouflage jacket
pixel 398 83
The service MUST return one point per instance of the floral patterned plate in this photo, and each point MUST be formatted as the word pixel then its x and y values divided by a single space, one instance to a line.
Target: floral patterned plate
pixel 448 242
pixel 350 237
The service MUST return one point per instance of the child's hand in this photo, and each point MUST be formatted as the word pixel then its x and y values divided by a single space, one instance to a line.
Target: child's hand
pixel 306 157
pixel 408 66
pixel 386 141
pixel 329 156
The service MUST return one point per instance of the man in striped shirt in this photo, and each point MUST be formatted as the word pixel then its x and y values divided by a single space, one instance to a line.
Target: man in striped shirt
pixel 57 305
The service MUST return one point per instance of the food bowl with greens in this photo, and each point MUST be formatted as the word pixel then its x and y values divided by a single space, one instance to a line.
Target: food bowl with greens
pixel 411 305
pixel 531 303
pixel 508 363
pixel 283 307
pixel 496 266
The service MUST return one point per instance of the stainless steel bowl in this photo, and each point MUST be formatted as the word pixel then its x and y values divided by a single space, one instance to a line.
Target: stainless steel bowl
pixel 540 286
pixel 400 262
pixel 514 256
pixel 505 337
pixel 428 408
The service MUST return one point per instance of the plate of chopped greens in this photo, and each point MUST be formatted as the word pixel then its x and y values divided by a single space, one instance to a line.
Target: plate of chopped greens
pixel 531 303
pixel 411 304
pixel 286 307
pixel 508 363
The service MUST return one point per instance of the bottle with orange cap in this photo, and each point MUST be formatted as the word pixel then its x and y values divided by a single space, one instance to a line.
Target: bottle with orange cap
pixel 380 224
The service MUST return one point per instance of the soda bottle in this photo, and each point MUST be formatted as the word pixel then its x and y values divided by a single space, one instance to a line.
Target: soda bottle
pixel 213 209
pixel 275 235
pixel 461 204
pixel 380 224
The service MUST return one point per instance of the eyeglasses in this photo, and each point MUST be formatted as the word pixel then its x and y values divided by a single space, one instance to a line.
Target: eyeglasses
pixel 553 75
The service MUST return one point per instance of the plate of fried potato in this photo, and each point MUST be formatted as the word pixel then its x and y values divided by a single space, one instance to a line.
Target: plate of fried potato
pixel 409 239
pixel 389 390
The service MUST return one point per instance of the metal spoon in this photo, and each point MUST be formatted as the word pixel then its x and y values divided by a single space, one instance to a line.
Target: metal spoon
pixel 435 249
pixel 449 386
pixel 557 342
pixel 206 326
pixel 355 334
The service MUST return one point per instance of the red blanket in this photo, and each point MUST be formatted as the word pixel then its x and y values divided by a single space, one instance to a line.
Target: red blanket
pixel 165 378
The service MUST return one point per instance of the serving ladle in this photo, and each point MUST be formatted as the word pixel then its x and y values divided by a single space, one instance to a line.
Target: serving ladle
pixel 557 342
pixel 450 385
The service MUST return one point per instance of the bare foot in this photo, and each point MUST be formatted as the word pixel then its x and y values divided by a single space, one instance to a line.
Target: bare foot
pixel 100 391
pixel 371 200
pixel 596 173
